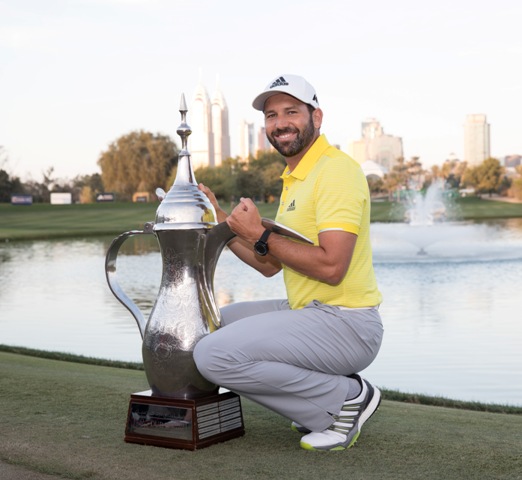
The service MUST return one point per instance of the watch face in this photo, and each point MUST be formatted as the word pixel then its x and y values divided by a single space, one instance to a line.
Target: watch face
pixel 261 248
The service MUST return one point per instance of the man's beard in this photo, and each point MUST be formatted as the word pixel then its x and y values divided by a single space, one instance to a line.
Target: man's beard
pixel 302 140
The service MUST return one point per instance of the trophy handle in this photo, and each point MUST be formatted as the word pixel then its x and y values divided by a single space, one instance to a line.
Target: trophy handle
pixel 112 280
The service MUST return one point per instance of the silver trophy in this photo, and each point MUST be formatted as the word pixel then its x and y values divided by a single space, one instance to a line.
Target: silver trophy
pixel 182 409
pixel 190 241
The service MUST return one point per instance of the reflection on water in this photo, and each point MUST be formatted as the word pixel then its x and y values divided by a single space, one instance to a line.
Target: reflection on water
pixel 451 316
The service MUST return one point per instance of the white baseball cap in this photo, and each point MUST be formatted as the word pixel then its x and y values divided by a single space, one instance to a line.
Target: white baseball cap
pixel 293 85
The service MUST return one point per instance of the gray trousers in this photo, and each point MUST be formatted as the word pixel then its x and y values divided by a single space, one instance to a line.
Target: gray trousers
pixel 294 362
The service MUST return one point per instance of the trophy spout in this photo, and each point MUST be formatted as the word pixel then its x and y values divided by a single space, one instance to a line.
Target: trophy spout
pixel 218 237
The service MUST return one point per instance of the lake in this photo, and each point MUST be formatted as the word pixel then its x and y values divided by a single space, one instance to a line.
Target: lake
pixel 452 307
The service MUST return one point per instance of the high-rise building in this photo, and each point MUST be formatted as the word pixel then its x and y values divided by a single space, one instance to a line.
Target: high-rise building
pixel 476 139
pixel 371 128
pixel 511 161
pixel 201 141
pixel 209 143
pixel 246 140
pixel 262 141
pixel 376 146
pixel 358 150
pixel 220 129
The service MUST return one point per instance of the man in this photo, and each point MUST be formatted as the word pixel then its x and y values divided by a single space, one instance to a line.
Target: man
pixel 300 356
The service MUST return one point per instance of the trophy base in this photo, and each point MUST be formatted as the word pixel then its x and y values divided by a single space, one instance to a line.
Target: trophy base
pixel 183 423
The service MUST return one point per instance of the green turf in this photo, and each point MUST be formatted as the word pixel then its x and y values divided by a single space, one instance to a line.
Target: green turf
pixel 387 394
pixel 68 419
pixel 40 221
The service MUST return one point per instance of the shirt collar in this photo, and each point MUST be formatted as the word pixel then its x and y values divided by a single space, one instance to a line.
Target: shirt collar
pixel 306 163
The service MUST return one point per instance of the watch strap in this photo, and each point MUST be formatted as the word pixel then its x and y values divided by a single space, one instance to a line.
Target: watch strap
pixel 265 235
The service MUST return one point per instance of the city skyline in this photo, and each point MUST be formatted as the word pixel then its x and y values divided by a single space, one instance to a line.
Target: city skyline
pixel 76 75
pixel 374 149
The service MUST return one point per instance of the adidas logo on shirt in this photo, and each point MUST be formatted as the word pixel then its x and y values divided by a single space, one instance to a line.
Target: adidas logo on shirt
pixel 291 207
pixel 279 82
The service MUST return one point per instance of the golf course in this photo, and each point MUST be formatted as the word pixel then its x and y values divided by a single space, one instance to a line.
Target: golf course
pixel 63 416
pixel 44 221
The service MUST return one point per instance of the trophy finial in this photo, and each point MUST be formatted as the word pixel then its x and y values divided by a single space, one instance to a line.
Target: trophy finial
pixel 183 130
pixel 183 104
pixel 184 206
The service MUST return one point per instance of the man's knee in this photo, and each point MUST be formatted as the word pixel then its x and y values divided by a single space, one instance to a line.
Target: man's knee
pixel 201 358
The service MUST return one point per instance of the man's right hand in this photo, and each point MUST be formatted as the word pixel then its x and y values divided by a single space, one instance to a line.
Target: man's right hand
pixel 220 213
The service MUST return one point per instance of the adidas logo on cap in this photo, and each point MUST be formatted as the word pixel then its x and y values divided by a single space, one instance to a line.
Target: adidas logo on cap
pixel 293 85
pixel 279 82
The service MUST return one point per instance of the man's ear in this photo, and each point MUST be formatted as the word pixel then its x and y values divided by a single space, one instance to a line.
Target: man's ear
pixel 317 117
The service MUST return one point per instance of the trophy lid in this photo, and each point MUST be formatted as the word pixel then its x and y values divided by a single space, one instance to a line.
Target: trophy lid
pixel 184 206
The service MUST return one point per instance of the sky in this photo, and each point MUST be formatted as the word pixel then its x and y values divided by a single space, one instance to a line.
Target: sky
pixel 75 75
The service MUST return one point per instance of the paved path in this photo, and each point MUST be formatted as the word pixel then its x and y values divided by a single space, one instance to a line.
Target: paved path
pixel 501 199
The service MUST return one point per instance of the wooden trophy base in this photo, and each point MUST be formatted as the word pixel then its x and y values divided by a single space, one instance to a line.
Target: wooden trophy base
pixel 183 423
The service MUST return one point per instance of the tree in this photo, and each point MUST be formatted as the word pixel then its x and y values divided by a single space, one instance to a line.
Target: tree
pixel 452 171
pixel 268 167
pixel 436 172
pixel 138 161
pixel 249 184
pixel 516 185
pixel 487 177
pixel 271 180
pixel 397 179
pixel 8 184
pixel 266 158
pixel 375 184
pixel 85 187
pixel 41 191
pixel 222 179
pixel 415 173
pixel 3 157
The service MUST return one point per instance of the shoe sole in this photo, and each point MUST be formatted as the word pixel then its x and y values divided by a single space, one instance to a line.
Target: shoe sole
pixel 300 430
pixel 368 412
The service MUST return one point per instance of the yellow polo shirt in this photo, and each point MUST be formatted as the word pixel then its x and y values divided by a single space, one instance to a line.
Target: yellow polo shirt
pixel 328 190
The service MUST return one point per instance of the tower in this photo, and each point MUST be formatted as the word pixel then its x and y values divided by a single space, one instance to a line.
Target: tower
pixel 263 144
pixel 202 139
pixel 220 129
pixel 210 140
pixel 476 139
pixel 246 140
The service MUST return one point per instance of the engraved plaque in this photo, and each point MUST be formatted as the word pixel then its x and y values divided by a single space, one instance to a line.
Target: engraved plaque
pixel 183 423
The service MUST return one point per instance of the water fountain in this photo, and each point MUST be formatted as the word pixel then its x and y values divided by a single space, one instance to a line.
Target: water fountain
pixel 431 232
pixel 424 211
pixel 429 208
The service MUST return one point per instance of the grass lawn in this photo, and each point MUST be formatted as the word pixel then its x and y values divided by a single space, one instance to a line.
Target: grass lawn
pixel 41 221
pixel 67 419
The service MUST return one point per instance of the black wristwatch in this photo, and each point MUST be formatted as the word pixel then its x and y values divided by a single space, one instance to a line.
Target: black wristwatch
pixel 261 246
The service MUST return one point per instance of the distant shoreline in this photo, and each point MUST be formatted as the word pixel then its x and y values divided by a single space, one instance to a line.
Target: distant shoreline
pixel 391 395
pixel 45 221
